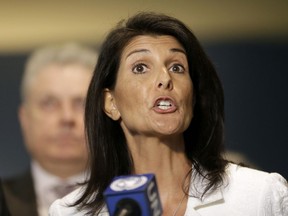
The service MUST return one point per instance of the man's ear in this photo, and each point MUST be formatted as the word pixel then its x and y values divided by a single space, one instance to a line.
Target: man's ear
pixel 110 107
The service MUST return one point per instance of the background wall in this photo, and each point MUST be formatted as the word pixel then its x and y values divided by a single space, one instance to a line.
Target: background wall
pixel 247 41
pixel 255 78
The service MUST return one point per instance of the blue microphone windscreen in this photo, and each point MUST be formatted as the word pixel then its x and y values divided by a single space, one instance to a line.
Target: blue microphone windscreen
pixel 140 188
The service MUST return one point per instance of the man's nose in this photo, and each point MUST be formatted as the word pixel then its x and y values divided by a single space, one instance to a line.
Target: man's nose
pixel 67 115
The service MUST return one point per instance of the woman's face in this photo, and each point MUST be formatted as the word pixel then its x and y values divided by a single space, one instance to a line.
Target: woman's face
pixel 153 92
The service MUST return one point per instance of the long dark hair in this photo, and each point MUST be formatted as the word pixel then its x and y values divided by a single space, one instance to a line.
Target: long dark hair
pixel 109 154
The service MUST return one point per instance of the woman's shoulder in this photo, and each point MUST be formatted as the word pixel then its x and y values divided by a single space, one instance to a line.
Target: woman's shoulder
pixel 63 206
pixel 268 190
pixel 253 176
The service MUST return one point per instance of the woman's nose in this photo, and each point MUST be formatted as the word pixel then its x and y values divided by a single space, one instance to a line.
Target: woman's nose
pixel 164 80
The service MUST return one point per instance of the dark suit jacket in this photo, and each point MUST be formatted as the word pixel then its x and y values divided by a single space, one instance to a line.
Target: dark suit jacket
pixel 3 207
pixel 20 195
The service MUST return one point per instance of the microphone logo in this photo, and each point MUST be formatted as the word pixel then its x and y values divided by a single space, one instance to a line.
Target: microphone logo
pixel 129 183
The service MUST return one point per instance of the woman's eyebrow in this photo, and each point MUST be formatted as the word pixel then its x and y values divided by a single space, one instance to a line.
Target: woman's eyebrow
pixel 137 51
pixel 178 50
pixel 146 50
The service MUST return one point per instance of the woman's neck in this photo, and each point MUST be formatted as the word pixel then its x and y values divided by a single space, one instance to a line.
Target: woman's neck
pixel 167 160
pixel 158 155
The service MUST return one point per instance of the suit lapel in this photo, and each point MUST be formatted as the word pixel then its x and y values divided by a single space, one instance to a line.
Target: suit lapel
pixel 20 195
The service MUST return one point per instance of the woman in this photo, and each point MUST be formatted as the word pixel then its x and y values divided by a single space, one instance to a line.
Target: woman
pixel 155 105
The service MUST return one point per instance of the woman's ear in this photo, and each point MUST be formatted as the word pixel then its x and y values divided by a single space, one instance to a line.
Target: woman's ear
pixel 110 107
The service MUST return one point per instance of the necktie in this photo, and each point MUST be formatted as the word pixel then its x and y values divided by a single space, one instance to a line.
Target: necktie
pixel 63 189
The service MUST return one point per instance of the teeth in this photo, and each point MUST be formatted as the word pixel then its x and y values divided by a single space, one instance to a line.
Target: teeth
pixel 164 104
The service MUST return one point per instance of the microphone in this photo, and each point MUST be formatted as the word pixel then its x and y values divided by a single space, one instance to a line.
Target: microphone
pixel 133 195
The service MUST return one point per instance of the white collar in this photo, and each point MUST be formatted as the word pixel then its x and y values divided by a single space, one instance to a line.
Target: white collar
pixel 44 180
pixel 197 184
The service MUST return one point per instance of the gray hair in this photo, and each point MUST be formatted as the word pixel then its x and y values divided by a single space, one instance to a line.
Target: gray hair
pixel 68 53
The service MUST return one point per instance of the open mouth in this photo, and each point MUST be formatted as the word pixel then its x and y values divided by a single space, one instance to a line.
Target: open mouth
pixel 164 104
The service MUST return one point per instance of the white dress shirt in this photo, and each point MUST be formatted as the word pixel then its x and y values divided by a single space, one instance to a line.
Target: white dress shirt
pixel 245 192
pixel 44 184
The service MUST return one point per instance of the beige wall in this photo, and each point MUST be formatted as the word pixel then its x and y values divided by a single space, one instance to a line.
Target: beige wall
pixel 27 24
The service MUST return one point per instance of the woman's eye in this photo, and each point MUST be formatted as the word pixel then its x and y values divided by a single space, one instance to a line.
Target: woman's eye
pixel 177 68
pixel 139 68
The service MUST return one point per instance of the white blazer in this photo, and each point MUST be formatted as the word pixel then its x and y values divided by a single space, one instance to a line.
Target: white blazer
pixel 245 192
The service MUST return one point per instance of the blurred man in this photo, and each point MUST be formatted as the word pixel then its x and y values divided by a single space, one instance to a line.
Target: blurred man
pixel 53 93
